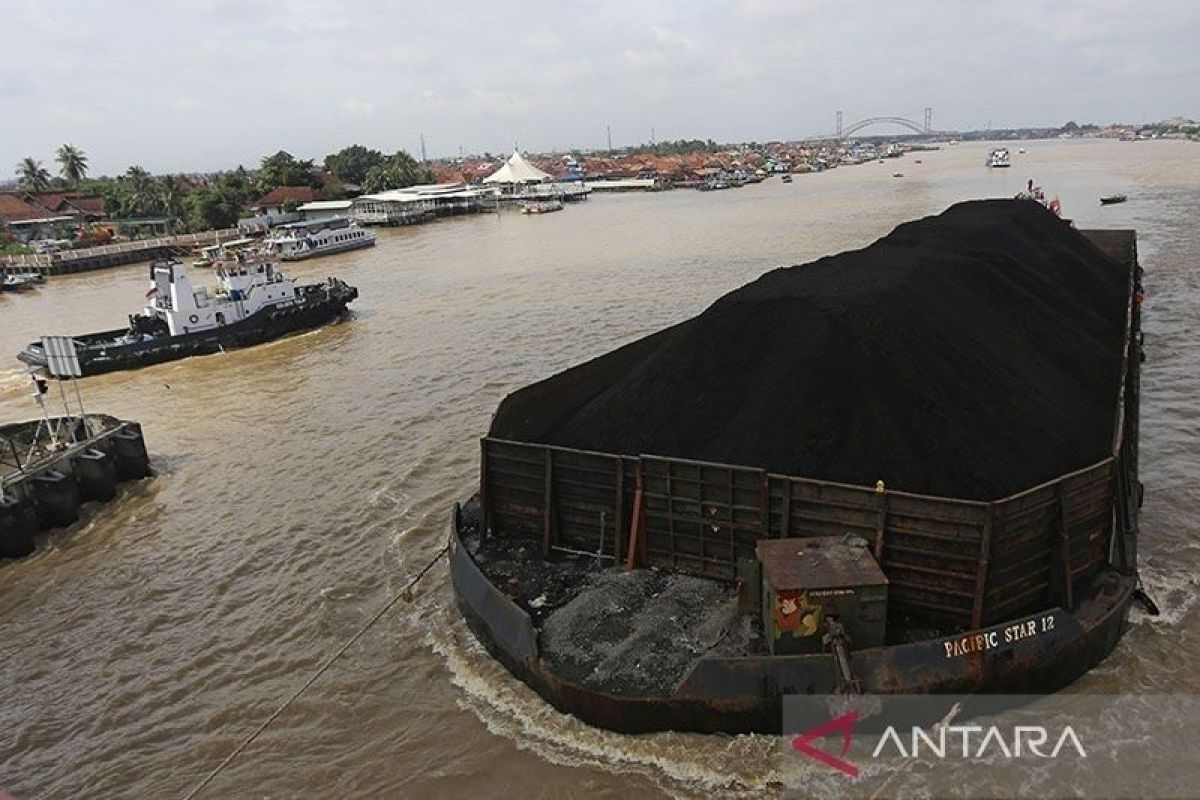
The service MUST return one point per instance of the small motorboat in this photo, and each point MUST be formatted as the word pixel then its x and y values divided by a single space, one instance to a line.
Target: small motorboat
pixel 897 174
pixel 1112 199
pixel 17 283
pixel 541 206
pixel 787 177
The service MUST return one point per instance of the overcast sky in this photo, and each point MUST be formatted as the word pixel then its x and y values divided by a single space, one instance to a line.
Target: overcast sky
pixel 197 85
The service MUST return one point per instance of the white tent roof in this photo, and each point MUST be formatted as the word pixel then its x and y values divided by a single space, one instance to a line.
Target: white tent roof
pixel 517 170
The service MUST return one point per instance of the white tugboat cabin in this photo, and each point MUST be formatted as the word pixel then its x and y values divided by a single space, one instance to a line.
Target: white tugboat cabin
pixel 244 290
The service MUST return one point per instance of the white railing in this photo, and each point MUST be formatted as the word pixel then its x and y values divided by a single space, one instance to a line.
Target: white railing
pixel 179 240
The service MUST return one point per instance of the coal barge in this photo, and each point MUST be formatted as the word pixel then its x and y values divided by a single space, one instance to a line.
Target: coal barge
pixel 253 303
pixel 684 591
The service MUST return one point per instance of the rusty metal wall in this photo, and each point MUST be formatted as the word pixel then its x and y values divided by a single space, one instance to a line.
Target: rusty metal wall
pixel 961 562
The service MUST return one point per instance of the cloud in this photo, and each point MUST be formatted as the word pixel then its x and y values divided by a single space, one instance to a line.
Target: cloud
pixel 315 75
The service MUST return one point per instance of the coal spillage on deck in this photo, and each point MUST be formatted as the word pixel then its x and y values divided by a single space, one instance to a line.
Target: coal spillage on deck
pixel 1025 533
pixel 47 475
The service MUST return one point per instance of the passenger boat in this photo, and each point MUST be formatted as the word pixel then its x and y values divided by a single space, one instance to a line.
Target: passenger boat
pixel 300 240
pixel 541 206
pixel 1112 199
pixel 999 157
pixel 253 303
pixel 1021 594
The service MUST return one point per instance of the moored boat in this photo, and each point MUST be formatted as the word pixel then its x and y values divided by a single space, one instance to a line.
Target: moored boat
pixel 225 251
pixel 1112 199
pixel 18 282
pixel 297 241
pixel 253 303
pixel 541 206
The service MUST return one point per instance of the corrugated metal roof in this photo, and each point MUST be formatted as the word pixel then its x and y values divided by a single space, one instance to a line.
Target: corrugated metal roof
pixel 326 205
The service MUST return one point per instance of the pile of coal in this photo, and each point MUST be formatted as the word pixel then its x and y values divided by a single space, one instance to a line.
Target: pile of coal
pixel 972 354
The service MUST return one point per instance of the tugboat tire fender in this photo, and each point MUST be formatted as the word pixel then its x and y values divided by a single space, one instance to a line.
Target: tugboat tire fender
pixel 193 319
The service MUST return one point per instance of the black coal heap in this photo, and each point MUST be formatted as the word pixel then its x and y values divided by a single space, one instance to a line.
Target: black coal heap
pixel 972 354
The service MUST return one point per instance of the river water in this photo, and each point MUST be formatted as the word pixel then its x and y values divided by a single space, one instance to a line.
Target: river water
pixel 303 482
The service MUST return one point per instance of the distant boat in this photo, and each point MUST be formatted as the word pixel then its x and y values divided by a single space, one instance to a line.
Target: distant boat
pixel 541 206
pixel 897 174
pixel 1020 149
pixel 917 161
pixel 1112 199
pixel 787 178
pixel 998 158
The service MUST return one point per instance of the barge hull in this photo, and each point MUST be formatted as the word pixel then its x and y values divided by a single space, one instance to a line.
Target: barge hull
pixel 746 695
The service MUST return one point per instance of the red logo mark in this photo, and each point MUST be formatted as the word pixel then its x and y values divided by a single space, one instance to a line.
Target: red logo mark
pixel 843 724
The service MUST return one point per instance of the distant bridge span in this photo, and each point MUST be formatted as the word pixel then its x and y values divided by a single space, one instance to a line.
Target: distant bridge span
pixel 866 123
pixel 848 131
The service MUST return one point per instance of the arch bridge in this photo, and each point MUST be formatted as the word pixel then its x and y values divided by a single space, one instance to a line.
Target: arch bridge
pixel 916 127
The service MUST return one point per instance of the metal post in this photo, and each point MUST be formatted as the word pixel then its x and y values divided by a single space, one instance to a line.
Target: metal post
pixel 87 432
pixel 985 549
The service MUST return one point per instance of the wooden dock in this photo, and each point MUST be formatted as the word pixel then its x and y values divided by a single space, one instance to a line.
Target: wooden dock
pixel 110 255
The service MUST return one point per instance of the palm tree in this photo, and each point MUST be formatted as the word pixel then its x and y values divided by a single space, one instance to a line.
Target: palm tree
pixel 73 163
pixel 170 198
pixel 138 186
pixel 32 175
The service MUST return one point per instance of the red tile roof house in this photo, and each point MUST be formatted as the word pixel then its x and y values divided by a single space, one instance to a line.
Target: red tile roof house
pixel 273 202
pixel 28 220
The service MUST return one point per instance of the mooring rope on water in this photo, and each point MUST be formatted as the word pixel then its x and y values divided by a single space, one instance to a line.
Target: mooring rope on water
pixel 403 594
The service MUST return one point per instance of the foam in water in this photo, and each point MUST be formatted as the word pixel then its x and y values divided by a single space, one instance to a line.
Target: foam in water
pixel 739 766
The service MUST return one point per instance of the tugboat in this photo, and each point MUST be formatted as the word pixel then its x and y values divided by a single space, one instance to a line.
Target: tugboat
pixel 253 303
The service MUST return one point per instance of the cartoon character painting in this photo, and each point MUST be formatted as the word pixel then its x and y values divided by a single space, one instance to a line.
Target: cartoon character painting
pixel 796 615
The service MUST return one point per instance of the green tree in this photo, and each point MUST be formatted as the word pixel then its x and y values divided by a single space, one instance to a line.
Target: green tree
pixel 399 171
pixel 72 164
pixel 351 164
pixel 32 175
pixel 137 193
pixel 169 198
pixel 211 208
pixel 284 169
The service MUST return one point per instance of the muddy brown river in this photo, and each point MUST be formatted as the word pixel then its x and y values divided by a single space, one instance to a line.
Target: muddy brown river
pixel 300 484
